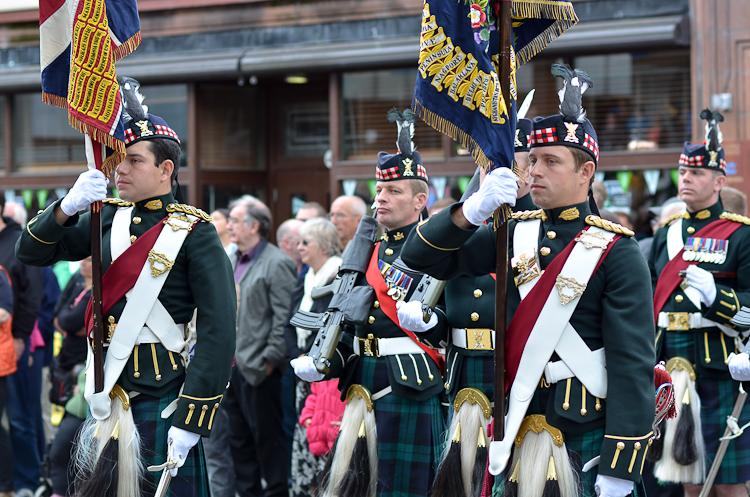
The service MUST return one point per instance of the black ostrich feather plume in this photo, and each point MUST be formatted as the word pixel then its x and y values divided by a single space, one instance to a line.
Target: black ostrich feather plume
pixel 714 137
pixel 132 100
pixel 575 84
pixel 405 127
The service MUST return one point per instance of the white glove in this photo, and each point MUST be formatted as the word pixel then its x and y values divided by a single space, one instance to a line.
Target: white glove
pixel 498 457
pixel 182 441
pixel 410 317
pixel 703 281
pixel 499 187
pixel 739 366
pixel 91 186
pixel 609 486
pixel 305 369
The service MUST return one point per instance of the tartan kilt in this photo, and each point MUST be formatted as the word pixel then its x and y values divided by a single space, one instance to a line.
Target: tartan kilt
pixel 475 370
pixel 409 436
pixel 718 396
pixel 581 449
pixel 192 478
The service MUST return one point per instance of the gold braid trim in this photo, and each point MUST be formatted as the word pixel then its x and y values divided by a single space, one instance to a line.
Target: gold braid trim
pixel 735 217
pixel 608 225
pixel 189 209
pixel 524 215
pixel 118 202
pixel 679 215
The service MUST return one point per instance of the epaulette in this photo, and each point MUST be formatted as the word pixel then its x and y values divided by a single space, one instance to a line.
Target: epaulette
pixel 189 209
pixel 608 225
pixel 118 202
pixel 735 217
pixel 679 215
pixel 524 215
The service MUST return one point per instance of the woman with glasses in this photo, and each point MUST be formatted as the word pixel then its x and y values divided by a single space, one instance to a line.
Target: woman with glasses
pixel 319 246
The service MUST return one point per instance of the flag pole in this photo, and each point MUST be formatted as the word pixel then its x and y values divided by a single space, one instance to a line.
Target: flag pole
pixel 96 295
pixel 95 160
pixel 504 28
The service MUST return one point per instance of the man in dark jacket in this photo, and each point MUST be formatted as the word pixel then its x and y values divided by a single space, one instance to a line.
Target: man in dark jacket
pixel 27 297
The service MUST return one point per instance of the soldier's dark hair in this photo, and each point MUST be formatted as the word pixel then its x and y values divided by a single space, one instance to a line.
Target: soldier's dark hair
pixel 166 149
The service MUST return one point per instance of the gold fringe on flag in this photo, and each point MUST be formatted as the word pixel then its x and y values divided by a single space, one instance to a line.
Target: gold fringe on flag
pixel 127 47
pixel 56 100
pixel 543 9
pixel 448 128
pixel 538 9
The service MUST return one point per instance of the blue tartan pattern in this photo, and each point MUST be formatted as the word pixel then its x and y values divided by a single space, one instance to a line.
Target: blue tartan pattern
pixel 409 436
pixel 192 478
pixel 718 396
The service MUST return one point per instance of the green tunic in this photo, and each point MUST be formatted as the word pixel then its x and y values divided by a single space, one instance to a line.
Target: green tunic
pixel 201 279
pixel 614 312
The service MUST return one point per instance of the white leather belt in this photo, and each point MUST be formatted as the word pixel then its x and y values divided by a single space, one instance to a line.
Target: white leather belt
pixel 473 338
pixel 558 371
pixel 379 347
pixel 684 321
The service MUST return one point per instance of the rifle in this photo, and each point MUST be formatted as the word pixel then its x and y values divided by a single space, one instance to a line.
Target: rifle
pixel 350 303
pixel 428 290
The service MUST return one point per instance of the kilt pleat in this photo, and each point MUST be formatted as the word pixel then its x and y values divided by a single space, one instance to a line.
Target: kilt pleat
pixel 718 396
pixel 409 436
pixel 192 478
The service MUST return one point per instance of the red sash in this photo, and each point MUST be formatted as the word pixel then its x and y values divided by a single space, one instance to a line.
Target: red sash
pixel 124 271
pixel 670 275
pixel 388 305
pixel 529 309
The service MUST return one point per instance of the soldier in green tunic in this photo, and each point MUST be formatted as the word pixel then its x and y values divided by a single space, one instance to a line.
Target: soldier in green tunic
pixel 580 350
pixel 173 394
pixel 700 267
pixel 393 366
pixel 470 361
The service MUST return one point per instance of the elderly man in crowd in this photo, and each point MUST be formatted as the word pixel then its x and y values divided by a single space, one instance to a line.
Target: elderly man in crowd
pixel 265 276
pixel 346 212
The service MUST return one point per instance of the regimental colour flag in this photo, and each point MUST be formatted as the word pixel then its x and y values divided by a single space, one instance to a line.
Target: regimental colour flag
pixel 458 91
pixel 80 41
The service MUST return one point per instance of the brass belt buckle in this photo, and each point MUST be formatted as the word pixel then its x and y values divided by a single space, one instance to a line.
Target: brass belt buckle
pixel 369 346
pixel 479 339
pixel 678 321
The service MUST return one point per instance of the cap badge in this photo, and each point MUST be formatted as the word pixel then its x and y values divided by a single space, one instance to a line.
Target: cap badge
pixel 143 125
pixel 571 136
pixel 407 167
pixel 713 158
pixel 518 142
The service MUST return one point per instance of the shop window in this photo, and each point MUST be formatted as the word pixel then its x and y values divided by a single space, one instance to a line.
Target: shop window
pixel 43 141
pixel 220 196
pixel 229 126
pixel 306 129
pixel 170 103
pixel 640 101
pixel 367 98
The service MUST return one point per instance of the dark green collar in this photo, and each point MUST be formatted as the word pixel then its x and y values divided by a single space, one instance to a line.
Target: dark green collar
pixel 712 212
pixel 397 236
pixel 569 214
pixel 155 205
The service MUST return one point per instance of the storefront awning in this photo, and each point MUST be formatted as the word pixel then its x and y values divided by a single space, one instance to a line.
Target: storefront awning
pixel 593 37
